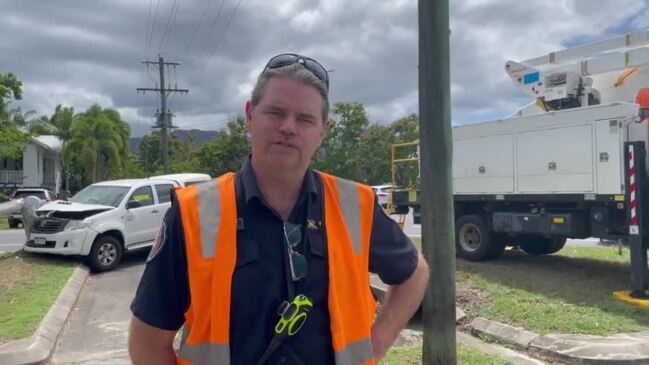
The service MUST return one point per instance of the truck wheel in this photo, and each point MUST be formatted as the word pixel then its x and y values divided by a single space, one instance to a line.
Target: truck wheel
pixel 474 242
pixel 538 246
pixel 105 254
pixel 12 223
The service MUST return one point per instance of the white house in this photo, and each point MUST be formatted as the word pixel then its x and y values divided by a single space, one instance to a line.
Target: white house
pixel 40 165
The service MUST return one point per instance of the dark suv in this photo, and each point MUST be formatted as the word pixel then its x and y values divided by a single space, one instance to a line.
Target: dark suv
pixel 40 193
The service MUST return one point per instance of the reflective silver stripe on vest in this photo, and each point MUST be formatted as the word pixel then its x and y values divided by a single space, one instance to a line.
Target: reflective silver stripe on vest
pixel 355 353
pixel 205 353
pixel 351 207
pixel 209 216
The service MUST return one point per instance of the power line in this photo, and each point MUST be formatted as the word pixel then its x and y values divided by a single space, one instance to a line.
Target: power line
pixel 155 18
pixel 209 35
pixel 148 72
pixel 169 25
pixel 173 22
pixel 200 22
pixel 148 23
pixel 234 13
pixel 146 37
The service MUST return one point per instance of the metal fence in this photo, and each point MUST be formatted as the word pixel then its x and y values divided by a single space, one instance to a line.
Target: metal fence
pixel 11 176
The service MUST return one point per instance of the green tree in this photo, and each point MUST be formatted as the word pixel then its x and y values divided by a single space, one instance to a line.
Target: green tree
pixel 10 89
pixel 41 125
pixel 406 130
pixel 227 151
pixel 182 154
pixel 97 140
pixel 337 153
pixel 373 156
pixel 60 125
pixel 132 168
pixel 12 139
pixel 62 120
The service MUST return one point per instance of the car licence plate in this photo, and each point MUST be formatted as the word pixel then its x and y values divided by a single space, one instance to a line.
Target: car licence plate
pixel 39 240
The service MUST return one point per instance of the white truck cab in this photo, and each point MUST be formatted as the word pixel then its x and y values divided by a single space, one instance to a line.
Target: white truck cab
pixel 103 221
pixel 184 179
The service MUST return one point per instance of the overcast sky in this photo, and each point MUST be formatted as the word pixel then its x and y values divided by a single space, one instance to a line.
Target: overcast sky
pixel 81 52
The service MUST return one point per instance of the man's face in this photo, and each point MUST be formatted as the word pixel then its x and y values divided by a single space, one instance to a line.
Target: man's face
pixel 286 127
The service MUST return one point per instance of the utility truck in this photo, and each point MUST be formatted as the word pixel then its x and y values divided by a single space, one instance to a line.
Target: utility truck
pixel 571 164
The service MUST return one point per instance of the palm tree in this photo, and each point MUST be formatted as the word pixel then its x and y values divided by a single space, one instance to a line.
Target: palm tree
pixel 62 119
pixel 97 139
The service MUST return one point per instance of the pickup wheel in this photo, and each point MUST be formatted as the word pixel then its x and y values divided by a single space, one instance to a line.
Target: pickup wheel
pixel 12 223
pixel 538 246
pixel 474 242
pixel 105 254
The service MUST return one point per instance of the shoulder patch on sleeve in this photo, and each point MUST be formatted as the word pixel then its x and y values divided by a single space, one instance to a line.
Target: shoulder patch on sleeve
pixel 159 242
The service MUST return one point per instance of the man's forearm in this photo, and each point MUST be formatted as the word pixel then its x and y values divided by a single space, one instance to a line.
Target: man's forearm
pixel 149 345
pixel 400 304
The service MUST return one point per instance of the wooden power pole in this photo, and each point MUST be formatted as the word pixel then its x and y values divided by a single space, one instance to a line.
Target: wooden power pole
pixel 438 228
pixel 164 115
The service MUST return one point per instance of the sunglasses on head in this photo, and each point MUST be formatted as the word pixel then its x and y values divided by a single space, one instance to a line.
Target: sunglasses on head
pixel 297 261
pixel 310 64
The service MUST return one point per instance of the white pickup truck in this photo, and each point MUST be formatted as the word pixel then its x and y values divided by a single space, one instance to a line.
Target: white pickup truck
pixel 105 220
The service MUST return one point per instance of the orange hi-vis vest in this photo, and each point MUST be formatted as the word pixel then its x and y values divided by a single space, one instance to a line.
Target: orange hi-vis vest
pixel 209 217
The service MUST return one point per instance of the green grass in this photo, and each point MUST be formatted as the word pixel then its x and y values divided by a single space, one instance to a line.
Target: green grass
pixel 4 224
pixel 608 254
pixel 465 356
pixel 29 285
pixel 569 292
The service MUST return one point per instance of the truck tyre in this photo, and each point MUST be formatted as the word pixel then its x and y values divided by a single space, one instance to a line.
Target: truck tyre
pixel 538 246
pixel 474 242
pixel 105 254
pixel 12 223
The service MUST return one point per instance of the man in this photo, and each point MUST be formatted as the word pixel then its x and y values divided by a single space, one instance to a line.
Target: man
pixel 235 252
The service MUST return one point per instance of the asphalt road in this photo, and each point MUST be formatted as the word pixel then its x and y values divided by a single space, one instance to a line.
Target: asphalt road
pixel 11 240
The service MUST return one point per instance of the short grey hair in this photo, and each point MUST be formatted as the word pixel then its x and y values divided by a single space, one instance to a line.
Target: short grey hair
pixel 296 72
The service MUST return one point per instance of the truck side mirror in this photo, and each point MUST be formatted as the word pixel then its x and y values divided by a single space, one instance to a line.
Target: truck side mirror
pixel 133 204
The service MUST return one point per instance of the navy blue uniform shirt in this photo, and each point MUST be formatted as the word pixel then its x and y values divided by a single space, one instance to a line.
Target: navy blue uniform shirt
pixel 259 282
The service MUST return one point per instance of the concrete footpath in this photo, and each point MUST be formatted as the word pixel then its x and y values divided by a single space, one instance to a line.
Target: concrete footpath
pixel 570 349
pixel 620 349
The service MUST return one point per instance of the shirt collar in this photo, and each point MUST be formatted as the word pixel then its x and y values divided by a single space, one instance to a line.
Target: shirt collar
pixel 251 189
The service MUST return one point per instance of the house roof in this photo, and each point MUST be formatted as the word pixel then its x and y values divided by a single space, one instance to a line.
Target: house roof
pixel 52 143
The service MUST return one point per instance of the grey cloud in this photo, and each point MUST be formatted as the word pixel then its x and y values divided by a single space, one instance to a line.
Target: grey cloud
pixel 95 47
